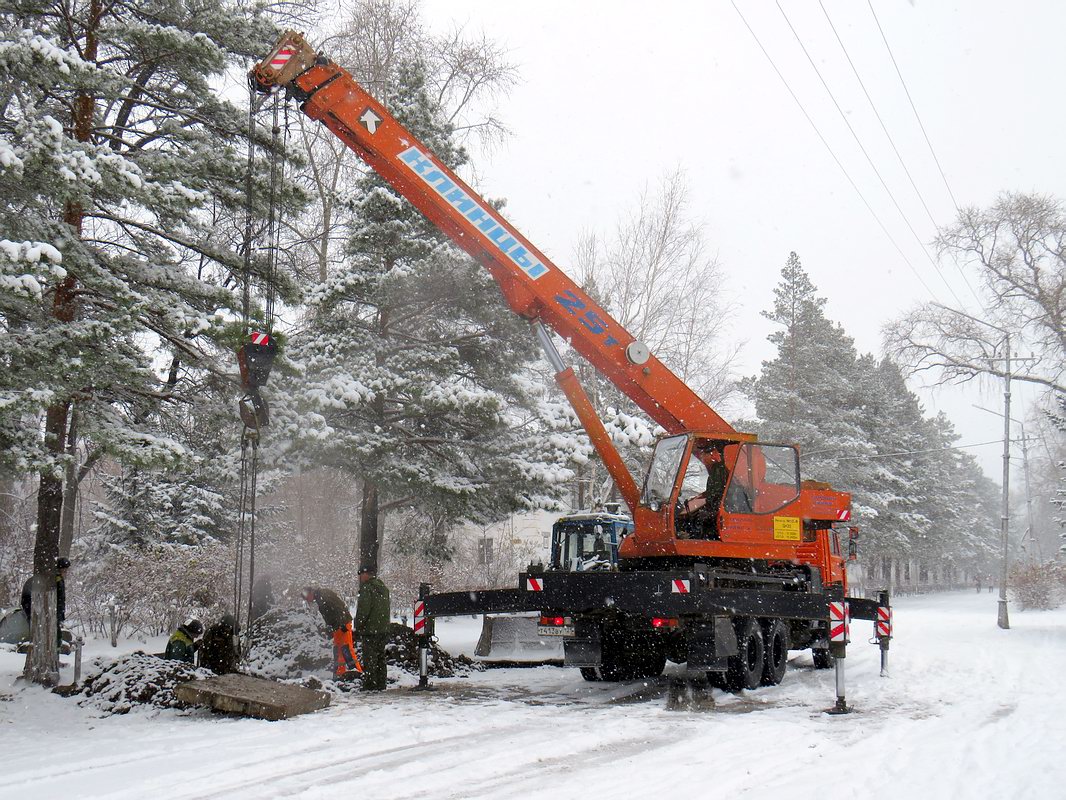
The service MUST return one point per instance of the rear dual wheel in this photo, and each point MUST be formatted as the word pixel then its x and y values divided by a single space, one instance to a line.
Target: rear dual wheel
pixel 745 669
pixel 775 661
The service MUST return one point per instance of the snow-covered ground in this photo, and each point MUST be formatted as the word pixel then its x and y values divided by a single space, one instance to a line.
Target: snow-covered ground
pixel 969 711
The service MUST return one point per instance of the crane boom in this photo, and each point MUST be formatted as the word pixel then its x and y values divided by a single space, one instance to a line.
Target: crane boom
pixel 532 285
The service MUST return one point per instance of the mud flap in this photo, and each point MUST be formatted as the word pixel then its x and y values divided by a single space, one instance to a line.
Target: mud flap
pixel 582 653
pixel 710 645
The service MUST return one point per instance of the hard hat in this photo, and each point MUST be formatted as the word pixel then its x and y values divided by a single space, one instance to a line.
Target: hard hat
pixel 62 563
pixel 193 626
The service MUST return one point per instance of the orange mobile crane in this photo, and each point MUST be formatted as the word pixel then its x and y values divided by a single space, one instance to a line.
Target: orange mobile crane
pixel 733 559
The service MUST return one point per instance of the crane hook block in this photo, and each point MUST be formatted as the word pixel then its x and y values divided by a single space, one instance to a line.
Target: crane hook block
pixel 255 413
pixel 255 358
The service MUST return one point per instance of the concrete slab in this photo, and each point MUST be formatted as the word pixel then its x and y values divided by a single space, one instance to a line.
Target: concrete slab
pixel 252 697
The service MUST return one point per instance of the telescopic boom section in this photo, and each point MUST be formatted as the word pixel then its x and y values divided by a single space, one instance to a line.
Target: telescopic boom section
pixel 531 284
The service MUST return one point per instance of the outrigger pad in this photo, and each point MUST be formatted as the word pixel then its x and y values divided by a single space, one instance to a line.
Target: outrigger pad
pixel 256 357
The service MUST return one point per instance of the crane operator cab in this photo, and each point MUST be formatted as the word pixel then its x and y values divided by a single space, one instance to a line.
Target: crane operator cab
pixel 718 479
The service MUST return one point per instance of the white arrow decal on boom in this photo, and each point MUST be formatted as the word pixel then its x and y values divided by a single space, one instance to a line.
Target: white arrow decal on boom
pixel 370 120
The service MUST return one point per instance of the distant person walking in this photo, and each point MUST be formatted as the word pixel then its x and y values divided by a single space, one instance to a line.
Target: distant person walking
pixel 991 583
pixel 183 642
pixel 339 620
pixel 372 618
pixel 977 582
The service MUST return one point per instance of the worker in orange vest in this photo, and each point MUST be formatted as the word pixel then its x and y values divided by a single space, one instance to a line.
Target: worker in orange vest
pixel 339 620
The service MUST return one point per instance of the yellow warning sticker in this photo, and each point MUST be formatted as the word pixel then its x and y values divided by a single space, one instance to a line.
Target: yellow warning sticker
pixel 787 528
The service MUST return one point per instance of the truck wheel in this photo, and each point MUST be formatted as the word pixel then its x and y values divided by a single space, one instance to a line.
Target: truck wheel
pixel 614 665
pixel 590 673
pixel 775 661
pixel 745 668
pixel 823 659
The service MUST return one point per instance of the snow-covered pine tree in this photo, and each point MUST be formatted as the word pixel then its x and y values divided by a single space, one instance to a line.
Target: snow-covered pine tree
pixel 120 165
pixel 864 431
pixel 805 395
pixel 412 363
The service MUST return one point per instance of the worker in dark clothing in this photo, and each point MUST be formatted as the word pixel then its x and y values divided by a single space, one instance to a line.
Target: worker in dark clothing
pixel 372 618
pixel 699 515
pixel 599 547
pixel 339 620
pixel 183 643
pixel 62 565
pixel 262 597
pixel 218 650
pixel 717 476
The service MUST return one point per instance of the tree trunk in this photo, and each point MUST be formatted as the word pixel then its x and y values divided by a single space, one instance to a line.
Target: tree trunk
pixel 43 662
pixel 369 523
pixel 369 541
pixel 70 488
pixel 324 242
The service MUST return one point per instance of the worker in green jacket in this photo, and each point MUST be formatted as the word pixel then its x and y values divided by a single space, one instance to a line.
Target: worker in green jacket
pixel 372 618
pixel 182 644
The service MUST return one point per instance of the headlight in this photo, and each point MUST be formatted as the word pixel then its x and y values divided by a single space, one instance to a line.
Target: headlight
pixel 654 506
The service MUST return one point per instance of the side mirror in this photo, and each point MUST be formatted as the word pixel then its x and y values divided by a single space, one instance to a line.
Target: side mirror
pixel 853 544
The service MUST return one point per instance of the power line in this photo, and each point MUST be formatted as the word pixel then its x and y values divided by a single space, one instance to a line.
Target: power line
pixel 914 108
pixel 905 453
pixel 869 160
pixel 834 155
pixel 892 142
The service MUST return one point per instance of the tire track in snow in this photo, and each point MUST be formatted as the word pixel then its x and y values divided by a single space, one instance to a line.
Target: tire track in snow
pixel 576 762
pixel 339 765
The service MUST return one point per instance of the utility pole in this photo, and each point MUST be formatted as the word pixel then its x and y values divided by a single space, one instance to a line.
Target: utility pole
pixel 1029 496
pixel 1028 485
pixel 1002 619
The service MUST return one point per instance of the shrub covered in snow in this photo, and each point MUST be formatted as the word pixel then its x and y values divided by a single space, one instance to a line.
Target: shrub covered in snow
pixel 1039 585
pixel 138 679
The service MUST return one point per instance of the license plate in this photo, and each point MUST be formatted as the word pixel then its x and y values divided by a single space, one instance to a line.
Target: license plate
pixel 556 630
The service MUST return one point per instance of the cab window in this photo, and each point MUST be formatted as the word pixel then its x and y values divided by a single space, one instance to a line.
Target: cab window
pixel 765 479
pixel 665 462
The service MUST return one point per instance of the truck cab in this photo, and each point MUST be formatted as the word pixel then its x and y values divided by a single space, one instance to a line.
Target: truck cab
pixel 588 541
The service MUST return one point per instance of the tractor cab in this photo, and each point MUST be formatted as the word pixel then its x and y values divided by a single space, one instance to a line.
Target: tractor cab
pixel 588 541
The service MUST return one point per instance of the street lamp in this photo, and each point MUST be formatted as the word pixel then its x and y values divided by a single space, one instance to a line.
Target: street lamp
pixel 1002 618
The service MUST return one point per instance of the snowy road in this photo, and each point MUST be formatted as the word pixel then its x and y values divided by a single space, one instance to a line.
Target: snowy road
pixel 970 712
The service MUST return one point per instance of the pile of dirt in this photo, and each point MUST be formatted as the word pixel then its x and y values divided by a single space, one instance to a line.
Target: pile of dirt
pixel 402 651
pixel 287 644
pixel 293 644
pixel 138 679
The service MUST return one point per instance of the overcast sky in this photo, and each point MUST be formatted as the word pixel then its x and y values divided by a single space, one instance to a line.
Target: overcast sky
pixel 614 95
